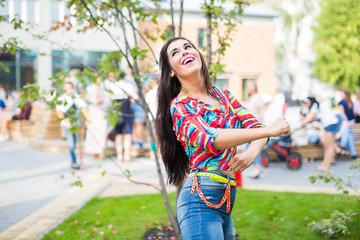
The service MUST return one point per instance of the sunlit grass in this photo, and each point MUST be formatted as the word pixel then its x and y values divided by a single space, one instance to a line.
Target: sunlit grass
pixel 256 215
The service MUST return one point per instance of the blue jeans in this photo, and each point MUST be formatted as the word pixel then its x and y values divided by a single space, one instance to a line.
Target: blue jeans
pixel 71 139
pixel 347 141
pixel 196 220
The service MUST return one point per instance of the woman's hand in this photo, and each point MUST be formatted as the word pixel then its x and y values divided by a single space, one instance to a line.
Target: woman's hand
pixel 280 127
pixel 67 123
pixel 242 161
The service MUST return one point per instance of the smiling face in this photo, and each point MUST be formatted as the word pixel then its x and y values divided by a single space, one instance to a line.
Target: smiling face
pixel 184 59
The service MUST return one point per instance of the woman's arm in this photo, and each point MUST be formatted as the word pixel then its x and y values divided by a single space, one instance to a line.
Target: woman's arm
pixel 85 112
pixel 311 116
pixel 243 160
pixel 342 111
pixel 229 138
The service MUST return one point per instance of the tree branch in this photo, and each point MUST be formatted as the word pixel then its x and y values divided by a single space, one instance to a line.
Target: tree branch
pixel 138 32
pixel 109 34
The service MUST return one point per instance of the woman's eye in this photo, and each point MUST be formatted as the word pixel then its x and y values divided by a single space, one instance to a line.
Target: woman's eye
pixel 187 46
pixel 173 54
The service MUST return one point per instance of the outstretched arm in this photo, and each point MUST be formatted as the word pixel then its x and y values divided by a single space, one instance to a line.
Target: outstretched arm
pixel 230 138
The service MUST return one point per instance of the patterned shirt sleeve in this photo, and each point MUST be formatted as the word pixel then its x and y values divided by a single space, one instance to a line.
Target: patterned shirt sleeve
pixel 191 129
pixel 247 120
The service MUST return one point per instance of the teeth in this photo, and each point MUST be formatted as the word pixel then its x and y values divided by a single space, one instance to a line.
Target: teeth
pixel 188 60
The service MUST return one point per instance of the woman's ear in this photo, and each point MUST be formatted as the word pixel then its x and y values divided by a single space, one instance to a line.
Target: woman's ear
pixel 172 73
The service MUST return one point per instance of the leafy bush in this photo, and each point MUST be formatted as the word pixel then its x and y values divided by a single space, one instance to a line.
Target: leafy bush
pixel 337 224
pixel 334 226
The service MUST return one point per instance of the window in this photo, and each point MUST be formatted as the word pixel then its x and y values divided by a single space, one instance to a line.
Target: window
pixel 201 37
pixel 222 82
pixel 22 67
pixel 17 9
pixel 54 11
pixel 4 9
pixel 31 11
pixel 244 80
pixel 62 61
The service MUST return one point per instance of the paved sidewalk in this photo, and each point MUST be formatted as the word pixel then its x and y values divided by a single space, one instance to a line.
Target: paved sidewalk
pixel 34 196
pixel 32 202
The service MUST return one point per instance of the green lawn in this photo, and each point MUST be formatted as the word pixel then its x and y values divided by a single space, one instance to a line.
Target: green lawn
pixel 256 215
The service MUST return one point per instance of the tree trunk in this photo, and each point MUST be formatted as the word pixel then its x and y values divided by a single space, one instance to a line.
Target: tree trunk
pixel 172 19
pixel 181 17
pixel 169 209
pixel 208 36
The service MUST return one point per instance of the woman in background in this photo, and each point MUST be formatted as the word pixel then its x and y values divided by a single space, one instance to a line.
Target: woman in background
pixel 323 113
pixel 256 106
pixel 95 141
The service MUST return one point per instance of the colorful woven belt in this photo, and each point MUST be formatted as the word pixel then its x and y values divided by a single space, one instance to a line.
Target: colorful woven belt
pixel 214 177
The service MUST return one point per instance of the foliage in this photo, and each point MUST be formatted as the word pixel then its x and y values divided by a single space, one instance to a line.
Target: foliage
pixel 222 17
pixel 256 215
pixel 337 43
pixel 340 183
pixel 334 226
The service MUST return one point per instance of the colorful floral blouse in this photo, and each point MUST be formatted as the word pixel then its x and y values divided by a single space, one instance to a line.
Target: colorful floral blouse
pixel 196 125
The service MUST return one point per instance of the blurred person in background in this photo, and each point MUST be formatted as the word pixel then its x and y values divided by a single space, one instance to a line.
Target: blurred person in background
pixel 2 93
pixel 357 106
pixel 275 108
pixel 151 100
pixel 96 131
pixel 121 91
pixel 256 106
pixel 21 114
pixel 139 114
pixel 346 107
pixel 346 138
pixel 322 112
pixel 69 113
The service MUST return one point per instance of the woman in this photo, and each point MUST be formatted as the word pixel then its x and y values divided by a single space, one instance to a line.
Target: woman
pixel 331 125
pixel 357 106
pixel 121 91
pixel 256 106
pixel 95 140
pixel 346 107
pixel 198 128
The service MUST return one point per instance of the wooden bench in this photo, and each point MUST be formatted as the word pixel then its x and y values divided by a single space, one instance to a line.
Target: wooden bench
pixel 313 151
pixel 46 124
pixel 20 129
pixel 42 124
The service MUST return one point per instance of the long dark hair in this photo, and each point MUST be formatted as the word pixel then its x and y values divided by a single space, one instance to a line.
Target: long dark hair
pixel 172 152
pixel 313 101
pixel 347 98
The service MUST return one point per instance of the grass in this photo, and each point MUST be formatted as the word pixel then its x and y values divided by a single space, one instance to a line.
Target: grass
pixel 256 215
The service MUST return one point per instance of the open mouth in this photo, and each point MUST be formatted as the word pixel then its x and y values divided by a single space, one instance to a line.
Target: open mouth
pixel 187 60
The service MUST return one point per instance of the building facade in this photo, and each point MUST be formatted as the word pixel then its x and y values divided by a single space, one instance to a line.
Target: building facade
pixel 47 57
pixel 252 51
pixel 250 56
